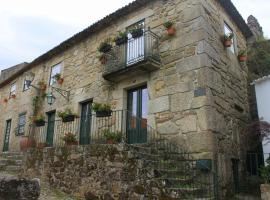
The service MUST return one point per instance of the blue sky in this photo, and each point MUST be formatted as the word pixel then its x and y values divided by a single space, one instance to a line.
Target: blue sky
pixel 29 28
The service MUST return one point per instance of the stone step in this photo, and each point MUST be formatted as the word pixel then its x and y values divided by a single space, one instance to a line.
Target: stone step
pixel 12 168
pixel 14 157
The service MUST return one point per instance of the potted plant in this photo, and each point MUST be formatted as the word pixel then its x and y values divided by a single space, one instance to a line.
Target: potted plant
pixel 13 96
pixel 228 40
pixel 105 46
pixel 242 55
pixel 58 78
pixel 70 139
pixel 122 38
pixel 67 115
pixel 42 85
pixel 102 110
pixel 5 100
pixel 39 120
pixel 42 145
pixel 170 29
pixel 136 32
pixel 265 174
pixel 112 137
pixel 103 59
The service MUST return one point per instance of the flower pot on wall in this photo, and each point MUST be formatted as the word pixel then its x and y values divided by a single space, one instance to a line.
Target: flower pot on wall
pixel 120 41
pixel 13 96
pixel 40 123
pixel 71 143
pixel 68 118
pixel 60 81
pixel 104 113
pixel 242 58
pixel 171 31
pixel 228 43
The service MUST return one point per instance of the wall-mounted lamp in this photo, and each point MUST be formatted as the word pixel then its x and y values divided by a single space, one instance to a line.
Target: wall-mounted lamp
pixel 50 97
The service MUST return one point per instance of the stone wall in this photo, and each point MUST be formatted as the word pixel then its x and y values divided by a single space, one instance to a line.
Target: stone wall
pixel 198 97
pixel 95 172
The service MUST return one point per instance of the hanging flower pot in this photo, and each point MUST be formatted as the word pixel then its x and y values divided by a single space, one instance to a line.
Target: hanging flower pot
pixel 58 78
pixel 103 113
pixel 42 86
pixel 67 115
pixel 170 29
pixel 5 100
pixel 105 46
pixel 137 32
pixel 13 96
pixel 122 38
pixel 242 56
pixel 39 120
pixel 228 40
pixel 102 110
pixel 60 81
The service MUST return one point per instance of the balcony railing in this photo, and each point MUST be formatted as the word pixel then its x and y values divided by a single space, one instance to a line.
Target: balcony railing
pixel 140 53
pixel 91 129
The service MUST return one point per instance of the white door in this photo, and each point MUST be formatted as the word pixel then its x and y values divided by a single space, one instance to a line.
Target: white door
pixel 135 46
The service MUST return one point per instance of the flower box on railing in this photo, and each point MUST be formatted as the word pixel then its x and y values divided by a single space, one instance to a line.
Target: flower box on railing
pixel 68 118
pixel 104 113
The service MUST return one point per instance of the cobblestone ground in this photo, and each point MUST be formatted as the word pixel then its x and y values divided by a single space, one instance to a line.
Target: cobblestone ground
pixel 48 193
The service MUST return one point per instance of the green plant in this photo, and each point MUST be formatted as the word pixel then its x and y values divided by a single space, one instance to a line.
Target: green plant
pixel 121 35
pixel 38 118
pixel 101 107
pixel 228 36
pixel 65 113
pixel 265 172
pixel 57 76
pixel 242 53
pixel 168 24
pixel 105 45
pixel 69 137
pixel 113 136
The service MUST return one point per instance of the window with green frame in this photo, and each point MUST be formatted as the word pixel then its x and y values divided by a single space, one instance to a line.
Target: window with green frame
pixel 21 124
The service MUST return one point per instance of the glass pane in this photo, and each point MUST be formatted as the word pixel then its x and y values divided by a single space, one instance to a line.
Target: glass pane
pixel 227 31
pixel 144 107
pixel 134 109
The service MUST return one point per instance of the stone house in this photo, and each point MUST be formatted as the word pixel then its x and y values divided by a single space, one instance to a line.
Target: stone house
pixel 188 86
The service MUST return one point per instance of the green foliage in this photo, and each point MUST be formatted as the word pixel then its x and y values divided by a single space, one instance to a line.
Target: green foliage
pixel 101 107
pixel 228 36
pixel 57 76
pixel 105 44
pixel 121 35
pixel 69 137
pixel 168 24
pixel 265 172
pixel 65 113
pixel 242 53
pixel 38 118
pixel 259 59
pixel 114 136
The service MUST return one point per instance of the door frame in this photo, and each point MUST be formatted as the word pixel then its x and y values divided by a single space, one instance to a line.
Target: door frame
pixel 138 113
pixel 48 113
pixel 90 102
pixel 6 126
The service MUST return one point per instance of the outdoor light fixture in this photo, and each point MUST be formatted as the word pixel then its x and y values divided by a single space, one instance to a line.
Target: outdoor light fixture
pixel 50 97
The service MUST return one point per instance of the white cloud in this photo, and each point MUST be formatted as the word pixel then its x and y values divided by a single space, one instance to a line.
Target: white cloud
pixel 31 27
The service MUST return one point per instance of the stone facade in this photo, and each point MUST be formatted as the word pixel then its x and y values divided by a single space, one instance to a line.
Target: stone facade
pixel 198 97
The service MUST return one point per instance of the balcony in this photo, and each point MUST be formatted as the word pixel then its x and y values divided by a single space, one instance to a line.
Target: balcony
pixel 137 56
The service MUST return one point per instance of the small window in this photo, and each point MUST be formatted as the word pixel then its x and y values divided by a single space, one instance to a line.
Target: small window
pixel 56 69
pixel 25 87
pixel 21 124
pixel 12 90
pixel 227 31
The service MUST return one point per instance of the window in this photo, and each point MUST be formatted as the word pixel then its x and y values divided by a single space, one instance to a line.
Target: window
pixel 12 89
pixel 56 69
pixel 25 87
pixel 21 124
pixel 227 31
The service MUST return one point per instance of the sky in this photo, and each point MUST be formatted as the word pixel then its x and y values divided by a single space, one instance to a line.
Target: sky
pixel 29 28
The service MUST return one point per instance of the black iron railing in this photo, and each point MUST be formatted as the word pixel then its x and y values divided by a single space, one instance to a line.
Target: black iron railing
pixel 170 164
pixel 134 51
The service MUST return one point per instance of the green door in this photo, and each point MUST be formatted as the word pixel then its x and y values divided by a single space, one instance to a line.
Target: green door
pixel 7 134
pixel 50 128
pixel 85 124
pixel 137 115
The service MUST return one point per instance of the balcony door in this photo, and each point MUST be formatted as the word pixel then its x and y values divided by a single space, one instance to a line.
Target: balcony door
pixel 7 135
pixel 85 124
pixel 137 117
pixel 50 128
pixel 135 46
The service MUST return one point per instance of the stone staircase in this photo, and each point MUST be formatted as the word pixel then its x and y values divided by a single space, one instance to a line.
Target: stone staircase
pixel 11 162
pixel 175 171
